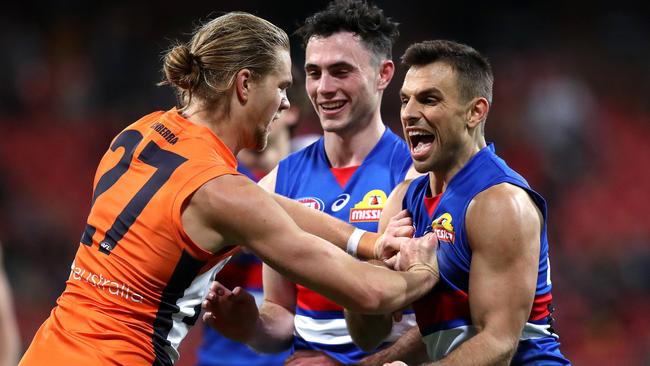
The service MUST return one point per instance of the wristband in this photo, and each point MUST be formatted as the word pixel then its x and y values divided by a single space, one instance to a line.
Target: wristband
pixel 353 241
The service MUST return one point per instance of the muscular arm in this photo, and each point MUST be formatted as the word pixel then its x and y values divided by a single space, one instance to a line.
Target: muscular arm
pixel 368 331
pixel 318 223
pixel 243 213
pixel 503 227
pixel 274 329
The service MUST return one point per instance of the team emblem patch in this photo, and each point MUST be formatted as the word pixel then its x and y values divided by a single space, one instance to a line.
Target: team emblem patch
pixel 312 202
pixel 443 228
pixel 369 209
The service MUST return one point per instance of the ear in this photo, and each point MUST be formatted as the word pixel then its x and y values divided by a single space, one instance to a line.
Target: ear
pixel 242 85
pixel 386 72
pixel 477 112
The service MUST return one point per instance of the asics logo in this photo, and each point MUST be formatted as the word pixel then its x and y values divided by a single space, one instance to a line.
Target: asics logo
pixel 340 202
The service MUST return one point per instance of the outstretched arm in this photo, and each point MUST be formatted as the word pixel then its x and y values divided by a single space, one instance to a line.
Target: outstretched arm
pixel 226 202
pixel 503 227
pixel 321 224
pixel 368 331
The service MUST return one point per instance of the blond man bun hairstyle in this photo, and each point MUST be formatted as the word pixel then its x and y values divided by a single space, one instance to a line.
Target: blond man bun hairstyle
pixel 182 68
pixel 205 68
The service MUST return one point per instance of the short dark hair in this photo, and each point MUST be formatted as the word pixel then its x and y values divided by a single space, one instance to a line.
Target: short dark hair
pixel 367 21
pixel 473 70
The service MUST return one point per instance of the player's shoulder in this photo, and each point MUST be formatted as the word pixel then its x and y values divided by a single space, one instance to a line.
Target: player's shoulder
pixel 224 195
pixel 502 195
pixel 503 204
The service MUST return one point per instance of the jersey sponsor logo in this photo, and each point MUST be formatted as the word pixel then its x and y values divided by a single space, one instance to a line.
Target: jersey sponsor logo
pixel 443 228
pixel 312 202
pixel 118 289
pixel 164 132
pixel 369 209
pixel 341 201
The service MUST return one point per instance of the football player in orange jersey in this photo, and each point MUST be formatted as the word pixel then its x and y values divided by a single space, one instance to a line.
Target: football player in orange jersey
pixel 169 208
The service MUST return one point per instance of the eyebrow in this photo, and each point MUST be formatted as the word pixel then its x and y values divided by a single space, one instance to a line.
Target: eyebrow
pixel 286 84
pixel 431 90
pixel 332 66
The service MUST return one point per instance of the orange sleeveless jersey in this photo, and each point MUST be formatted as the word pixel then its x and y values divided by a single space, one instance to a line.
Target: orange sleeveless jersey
pixel 137 280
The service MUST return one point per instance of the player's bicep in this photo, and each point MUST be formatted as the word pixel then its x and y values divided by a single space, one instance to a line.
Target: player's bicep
pixel 503 227
pixel 246 215
pixel 243 213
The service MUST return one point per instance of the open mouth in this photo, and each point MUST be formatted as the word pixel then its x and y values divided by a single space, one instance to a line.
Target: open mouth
pixel 332 107
pixel 421 142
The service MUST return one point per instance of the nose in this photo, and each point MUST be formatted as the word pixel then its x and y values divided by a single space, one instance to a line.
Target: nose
pixel 409 113
pixel 326 84
pixel 284 104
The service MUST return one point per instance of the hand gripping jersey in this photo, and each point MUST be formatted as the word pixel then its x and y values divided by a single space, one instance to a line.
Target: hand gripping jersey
pixel 443 315
pixel 137 280
pixel 306 176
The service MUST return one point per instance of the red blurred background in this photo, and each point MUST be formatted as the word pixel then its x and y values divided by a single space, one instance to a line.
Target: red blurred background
pixel 570 112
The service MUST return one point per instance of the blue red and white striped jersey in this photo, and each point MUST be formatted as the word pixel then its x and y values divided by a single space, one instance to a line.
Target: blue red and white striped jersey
pixel 357 197
pixel 443 315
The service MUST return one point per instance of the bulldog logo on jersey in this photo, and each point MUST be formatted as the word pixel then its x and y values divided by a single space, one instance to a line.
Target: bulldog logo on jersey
pixel 442 228
pixel 369 209
pixel 313 202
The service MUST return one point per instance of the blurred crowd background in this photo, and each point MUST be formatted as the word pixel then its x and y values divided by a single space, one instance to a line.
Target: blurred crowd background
pixel 571 112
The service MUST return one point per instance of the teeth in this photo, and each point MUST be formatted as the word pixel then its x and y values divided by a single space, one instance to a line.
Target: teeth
pixel 419 133
pixel 332 105
pixel 419 147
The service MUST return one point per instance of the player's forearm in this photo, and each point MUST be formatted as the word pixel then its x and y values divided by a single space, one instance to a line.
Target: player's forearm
pixel 308 260
pixel 482 349
pixel 408 348
pixel 368 331
pixel 273 330
pixel 316 222
pixel 392 290
pixel 325 226
pixel 365 288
